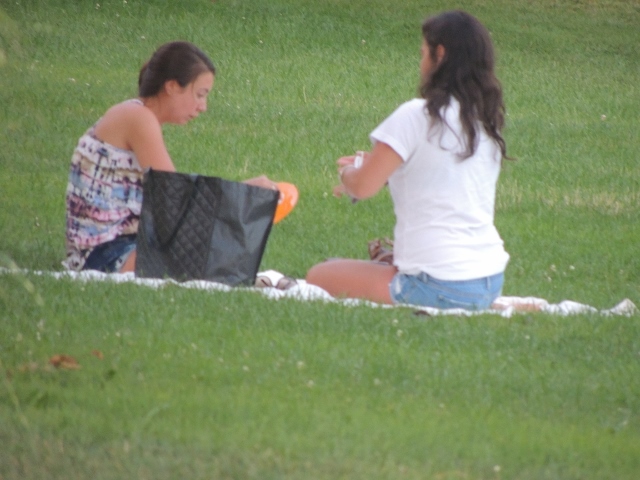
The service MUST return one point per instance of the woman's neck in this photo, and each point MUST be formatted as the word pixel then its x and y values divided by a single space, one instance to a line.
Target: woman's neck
pixel 157 106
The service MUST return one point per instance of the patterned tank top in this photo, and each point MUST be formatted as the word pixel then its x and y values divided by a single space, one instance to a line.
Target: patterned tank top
pixel 104 196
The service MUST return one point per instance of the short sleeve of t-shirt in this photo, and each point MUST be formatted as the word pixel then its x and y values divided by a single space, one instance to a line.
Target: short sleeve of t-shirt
pixel 404 129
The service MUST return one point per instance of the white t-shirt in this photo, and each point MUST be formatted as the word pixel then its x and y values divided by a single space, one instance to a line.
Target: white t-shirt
pixel 444 205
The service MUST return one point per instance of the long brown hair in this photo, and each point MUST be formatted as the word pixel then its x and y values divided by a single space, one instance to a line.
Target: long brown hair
pixel 466 73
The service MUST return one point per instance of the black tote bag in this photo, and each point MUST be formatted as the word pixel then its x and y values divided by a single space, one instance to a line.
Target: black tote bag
pixel 205 228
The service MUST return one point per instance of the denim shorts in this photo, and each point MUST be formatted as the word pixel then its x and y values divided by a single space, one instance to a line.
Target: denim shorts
pixel 110 256
pixel 426 291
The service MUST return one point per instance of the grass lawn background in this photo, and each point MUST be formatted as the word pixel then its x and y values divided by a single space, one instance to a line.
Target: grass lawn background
pixel 177 383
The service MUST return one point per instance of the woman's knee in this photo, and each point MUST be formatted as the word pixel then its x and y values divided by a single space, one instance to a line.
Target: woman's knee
pixel 320 273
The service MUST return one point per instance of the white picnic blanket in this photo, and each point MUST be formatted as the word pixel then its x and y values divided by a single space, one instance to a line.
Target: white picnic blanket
pixel 503 306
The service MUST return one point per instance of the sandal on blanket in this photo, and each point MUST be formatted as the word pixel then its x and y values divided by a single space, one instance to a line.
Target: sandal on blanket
pixel 262 281
pixel 284 283
pixel 381 250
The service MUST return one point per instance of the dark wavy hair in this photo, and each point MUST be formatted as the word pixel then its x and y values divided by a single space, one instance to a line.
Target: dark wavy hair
pixel 180 61
pixel 466 73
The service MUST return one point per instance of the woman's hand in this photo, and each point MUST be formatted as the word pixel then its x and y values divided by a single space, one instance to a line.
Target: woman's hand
pixel 346 163
pixel 365 181
pixel 355 161
pixel 264 182
pixel 339 191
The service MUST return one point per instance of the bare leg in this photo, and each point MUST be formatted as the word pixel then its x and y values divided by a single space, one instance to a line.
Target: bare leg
pixel 354 279
pixel 129 264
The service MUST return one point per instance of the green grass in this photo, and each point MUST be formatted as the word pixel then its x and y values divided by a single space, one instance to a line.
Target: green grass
pixel 195 384
pixel 315 390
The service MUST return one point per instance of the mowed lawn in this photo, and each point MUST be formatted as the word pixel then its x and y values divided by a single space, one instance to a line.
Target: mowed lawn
pixel 177 383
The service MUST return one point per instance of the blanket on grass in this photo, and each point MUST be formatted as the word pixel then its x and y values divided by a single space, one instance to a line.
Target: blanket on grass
pixel 504 306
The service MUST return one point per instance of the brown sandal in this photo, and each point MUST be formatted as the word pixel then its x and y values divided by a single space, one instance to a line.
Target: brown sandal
pixel 381 250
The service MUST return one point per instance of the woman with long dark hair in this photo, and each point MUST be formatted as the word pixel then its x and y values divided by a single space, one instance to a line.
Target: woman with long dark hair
pixel 441 156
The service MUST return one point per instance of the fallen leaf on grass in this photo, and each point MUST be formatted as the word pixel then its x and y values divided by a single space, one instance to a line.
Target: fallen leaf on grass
pixel 98 354
pixel 64 361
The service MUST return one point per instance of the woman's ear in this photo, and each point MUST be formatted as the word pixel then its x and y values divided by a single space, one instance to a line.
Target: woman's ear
pixel 172 87
pixel 440 53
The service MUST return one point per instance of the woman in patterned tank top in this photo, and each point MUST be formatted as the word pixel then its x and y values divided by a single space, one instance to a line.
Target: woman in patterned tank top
pixel 104 192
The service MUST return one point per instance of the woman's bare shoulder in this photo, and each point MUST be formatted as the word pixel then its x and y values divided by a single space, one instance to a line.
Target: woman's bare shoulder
pixel 129 109
pixel 123 120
